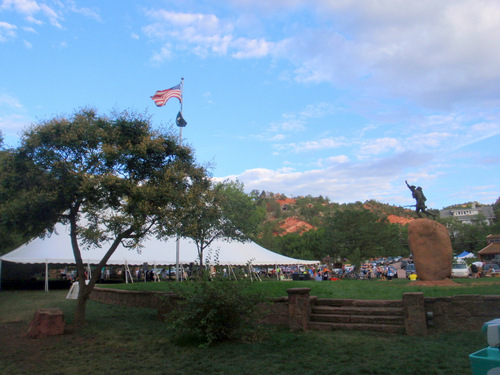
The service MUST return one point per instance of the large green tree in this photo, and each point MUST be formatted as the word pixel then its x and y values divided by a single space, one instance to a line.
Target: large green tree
pixel 308 245
pixel 359 234
pixel 111 179
pixel 217 211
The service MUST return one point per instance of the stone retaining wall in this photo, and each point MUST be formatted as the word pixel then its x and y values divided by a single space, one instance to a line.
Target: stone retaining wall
pixel 461 313
pixel 458 313
pixel 127 297
pixel 276 312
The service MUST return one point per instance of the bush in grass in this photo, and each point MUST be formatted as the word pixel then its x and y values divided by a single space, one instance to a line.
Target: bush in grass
pixel 217 310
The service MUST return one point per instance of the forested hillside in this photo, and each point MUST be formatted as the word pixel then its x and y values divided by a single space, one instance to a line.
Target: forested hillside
pixel 313 228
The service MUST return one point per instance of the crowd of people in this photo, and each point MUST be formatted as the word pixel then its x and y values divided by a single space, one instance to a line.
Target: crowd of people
pixel 368 271
pixel 479 269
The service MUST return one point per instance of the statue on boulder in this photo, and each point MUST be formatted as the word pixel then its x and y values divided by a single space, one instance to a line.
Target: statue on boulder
pixel 420 199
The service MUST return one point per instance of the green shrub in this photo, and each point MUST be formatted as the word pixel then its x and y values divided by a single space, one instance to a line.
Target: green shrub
pixel 218 310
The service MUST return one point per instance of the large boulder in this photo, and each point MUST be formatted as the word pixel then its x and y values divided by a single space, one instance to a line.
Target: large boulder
pixel 430 245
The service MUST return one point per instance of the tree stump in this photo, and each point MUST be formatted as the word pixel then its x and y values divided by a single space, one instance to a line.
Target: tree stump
pixel 46 322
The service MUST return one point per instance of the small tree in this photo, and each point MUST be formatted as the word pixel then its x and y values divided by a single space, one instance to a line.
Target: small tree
pixel 239 208
pixel 217 311
pixel 203 219
pixel 111 179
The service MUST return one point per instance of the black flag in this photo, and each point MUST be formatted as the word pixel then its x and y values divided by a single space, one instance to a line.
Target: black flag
pixel 180 120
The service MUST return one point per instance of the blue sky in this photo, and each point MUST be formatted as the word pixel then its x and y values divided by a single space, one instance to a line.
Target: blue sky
pixel 345 99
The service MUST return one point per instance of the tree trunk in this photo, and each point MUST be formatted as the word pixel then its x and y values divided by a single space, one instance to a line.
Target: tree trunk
pixel 86 289
pixel 81 305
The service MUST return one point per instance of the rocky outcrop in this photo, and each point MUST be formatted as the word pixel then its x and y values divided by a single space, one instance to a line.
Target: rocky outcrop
pixel 430 245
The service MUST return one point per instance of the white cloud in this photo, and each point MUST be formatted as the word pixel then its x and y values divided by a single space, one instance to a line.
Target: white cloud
pixel 12 123
pixel 191 27
pixel 289 124
pixel 333 160
pixel 86 12
pixel 318 110
pixel 293 123
pixel 9 102
pixel 26 7
pixel 342 181
pixel 30 9
pixel 486 128
pixel 33 20
pixel 430 140
pixel 207 23
pixel 40 12
pixel 251 48
pixel 163 54
pixel 455 131
pixel 204 34
pixel 52 15
pixel 270 138
pixel 435 53
pixel 298 121
pixel 316 145
pixel 7 31
pixel 29 29
pixel 380 146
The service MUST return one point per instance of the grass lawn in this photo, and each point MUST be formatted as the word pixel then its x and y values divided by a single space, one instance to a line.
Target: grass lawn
pixel 344 289
pixel 123 340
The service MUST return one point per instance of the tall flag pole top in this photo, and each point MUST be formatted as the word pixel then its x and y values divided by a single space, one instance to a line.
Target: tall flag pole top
pixel 161 97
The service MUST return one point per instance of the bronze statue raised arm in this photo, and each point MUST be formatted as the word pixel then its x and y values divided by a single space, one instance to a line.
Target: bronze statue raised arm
pixel 418 195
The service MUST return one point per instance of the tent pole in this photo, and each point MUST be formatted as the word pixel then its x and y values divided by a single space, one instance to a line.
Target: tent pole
pixel 127 271
pixel 232 271
pixel 177 251
pixel 46 275
pixel 257 276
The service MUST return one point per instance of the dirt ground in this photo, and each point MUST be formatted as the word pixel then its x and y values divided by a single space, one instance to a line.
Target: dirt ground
pixel 12 344
pixel 15 346
pixel 12 340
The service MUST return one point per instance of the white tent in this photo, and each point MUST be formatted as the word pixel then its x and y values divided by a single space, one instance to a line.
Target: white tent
pixel 57 249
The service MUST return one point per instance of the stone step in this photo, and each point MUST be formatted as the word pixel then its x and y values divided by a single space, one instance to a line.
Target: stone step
pixel 387 328
pixel 352 310
pixel 358 319
pixel 357 302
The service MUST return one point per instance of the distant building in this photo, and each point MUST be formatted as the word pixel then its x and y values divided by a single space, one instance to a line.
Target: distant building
pixel 491 253
pixel 472 215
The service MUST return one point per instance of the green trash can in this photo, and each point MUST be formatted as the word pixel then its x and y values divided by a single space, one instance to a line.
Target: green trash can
pixel 487 361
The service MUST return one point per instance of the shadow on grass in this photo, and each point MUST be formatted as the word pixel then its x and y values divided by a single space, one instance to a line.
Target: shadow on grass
pixel 123 340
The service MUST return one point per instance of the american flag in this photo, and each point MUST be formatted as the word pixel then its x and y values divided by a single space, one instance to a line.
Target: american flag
pixel 161 97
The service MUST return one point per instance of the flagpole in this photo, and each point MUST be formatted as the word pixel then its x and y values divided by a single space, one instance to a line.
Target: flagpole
pixel 178 241
pixel 160 98
pixel 182 99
